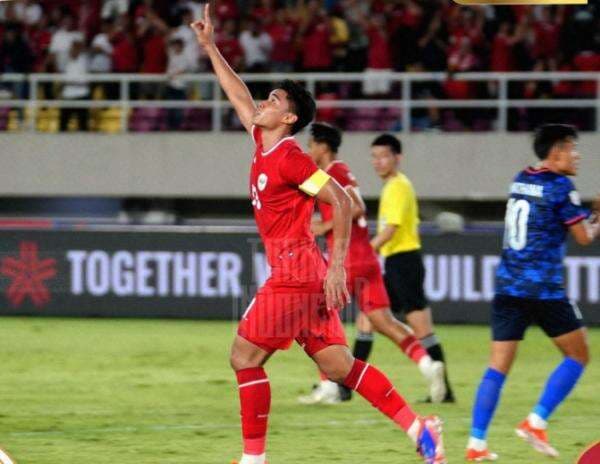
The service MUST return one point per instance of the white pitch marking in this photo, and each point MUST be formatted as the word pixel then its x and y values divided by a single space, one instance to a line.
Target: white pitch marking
pixel 5 458
pixel 166 428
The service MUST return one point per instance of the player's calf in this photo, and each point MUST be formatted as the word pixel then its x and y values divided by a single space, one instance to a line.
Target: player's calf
pixel 376 388
pixel 434 372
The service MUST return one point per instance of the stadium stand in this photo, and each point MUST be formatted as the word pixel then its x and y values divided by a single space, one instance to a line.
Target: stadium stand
pixel 79 38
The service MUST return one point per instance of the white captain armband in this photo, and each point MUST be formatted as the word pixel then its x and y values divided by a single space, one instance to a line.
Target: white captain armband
pixel 315 183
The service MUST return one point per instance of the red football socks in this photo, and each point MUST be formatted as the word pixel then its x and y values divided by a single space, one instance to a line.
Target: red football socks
pixel 375 387
pixel 413 348
pixel 322 376
pixel 255 402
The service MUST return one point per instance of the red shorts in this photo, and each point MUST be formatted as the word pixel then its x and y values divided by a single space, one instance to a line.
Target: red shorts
pixel 280 314
pixel 366 285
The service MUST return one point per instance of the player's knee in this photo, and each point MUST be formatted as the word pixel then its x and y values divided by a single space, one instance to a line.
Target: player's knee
pixel 501 364
pixel 582 356
pixel 337 376
pixel 580 352
pixel 235 362
pixel 337 373
pixel 238 361
pixel 378 325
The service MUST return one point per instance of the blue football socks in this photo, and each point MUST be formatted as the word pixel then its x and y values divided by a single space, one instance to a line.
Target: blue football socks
pixel 559 385
pixel 486 401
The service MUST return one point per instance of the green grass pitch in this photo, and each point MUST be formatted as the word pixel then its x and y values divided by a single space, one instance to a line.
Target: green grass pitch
pixel 154 391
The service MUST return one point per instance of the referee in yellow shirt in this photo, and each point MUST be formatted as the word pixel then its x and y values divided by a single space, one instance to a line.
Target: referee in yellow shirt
pixel 398 241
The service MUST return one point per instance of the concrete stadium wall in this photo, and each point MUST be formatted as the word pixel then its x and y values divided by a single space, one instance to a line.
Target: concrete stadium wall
pixel 442 166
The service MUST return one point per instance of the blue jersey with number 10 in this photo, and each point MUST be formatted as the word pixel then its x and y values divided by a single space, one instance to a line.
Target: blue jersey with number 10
pixel 541 207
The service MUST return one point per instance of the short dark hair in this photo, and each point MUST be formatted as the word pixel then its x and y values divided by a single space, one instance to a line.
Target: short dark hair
pixel 302 104
pixel 388 140
pixel 548 135
pixel 325 133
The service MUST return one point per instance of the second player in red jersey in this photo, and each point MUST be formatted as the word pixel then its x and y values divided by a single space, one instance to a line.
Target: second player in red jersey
pixel 362 266
pixel 365 280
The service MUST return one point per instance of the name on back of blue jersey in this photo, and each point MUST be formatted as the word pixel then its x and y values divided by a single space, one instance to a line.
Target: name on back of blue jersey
pixel 530 190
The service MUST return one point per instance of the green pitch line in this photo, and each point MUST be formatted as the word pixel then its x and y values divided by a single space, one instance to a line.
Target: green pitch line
pixel 154 391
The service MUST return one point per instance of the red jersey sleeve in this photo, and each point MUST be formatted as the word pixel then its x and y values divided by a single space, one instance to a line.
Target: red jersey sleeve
pixel 298 169
pixel 341 173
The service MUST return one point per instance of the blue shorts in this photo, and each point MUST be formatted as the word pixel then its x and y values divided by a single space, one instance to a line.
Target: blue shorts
pixel 512 315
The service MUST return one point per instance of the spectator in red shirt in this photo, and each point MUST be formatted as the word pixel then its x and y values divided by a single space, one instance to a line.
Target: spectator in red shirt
pixel 315 33
pixel 226 9
pixel 229 45
pixel 39 38
pixel 379 49
pixel 587 61
pixel 124 56
pixel 151 30
pixel 502 59
pixel 411 16
pixel 547 32
pixel 282 31
pixel 263 10
pixel 462 59
pixel 379 61
pixel 467 23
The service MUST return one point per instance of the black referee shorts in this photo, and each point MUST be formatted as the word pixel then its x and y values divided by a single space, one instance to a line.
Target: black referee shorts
pixel 404 279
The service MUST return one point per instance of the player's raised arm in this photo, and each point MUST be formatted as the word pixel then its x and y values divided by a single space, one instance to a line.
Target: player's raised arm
pixel 335 284
pixel 237 92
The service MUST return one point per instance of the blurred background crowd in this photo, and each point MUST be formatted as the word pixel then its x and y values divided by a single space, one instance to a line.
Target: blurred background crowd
pixel 373 36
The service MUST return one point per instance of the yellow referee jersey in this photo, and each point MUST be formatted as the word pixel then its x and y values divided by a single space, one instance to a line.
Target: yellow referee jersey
pixel 398 206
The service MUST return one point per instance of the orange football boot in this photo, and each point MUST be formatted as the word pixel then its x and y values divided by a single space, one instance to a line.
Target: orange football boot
pixel 536 438
pixel 480 456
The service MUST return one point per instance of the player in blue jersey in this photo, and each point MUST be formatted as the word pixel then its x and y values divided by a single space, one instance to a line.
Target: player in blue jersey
pixel 542 208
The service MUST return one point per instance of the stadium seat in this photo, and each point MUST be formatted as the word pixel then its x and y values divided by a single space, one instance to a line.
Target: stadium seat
pixel 13 123
pixel 148 120
pixel 197 119
pixel 110 121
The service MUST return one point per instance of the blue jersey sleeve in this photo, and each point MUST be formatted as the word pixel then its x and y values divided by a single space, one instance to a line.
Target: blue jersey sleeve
pixel 568 203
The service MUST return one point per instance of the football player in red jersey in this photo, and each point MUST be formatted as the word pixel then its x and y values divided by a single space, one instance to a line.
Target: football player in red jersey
pixel 301 299
pixel 365 280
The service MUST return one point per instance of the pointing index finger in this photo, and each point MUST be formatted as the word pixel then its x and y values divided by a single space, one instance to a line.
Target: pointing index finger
pixel 207 13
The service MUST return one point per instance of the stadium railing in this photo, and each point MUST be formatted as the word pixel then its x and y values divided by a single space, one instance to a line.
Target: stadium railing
pixel 210 97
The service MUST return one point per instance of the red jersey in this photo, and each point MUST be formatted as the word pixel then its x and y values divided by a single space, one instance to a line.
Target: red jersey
pixel 282 36
pixel 501 57
pixel 231 50
pixel 316 47
pixel 154 54
pixel 360 252
pixel 379 50
pixel 283 182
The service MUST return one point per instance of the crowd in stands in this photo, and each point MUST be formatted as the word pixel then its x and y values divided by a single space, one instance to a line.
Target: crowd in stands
pixel 78 37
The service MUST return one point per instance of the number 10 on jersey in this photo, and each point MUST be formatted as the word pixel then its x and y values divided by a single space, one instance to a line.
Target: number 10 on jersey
pixel 515 224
